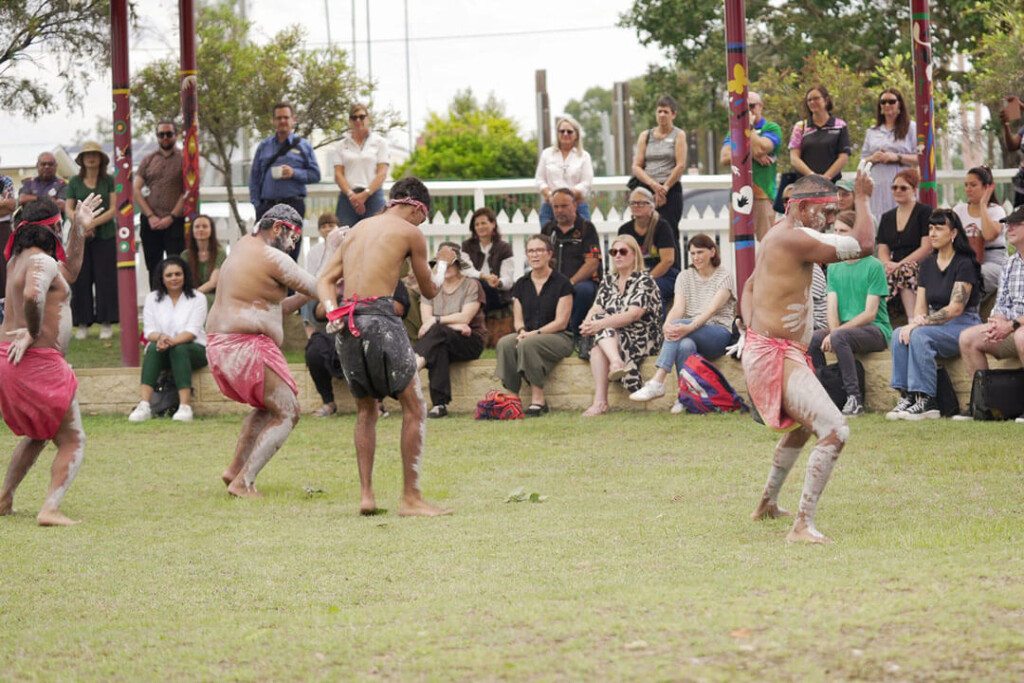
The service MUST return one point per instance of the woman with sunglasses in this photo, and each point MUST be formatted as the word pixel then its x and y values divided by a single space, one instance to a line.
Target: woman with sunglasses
pixel 903 238
pixel 360 163
pixel 565 164
pixel 820 144
pixel 947 304
pixel 624 321
pixel 657 245
pixel 890 145
pixel 981 215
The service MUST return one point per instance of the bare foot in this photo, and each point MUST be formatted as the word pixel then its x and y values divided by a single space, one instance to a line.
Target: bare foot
pixel 595 410
pixel 239 488
pixel 228 477
pixel 6 507
pixel 53 518
pixel 368 505
pixel 802 532
pixel 767 510
pixel 418 507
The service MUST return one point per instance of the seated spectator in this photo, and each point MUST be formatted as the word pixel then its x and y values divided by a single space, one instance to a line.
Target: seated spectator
pixel 858 319
pixel 452 330
pixel 947 304
pixel 204 256
pixel 577 252
pixel 903 240
pixel 325 224
pixel 624 321
pixel 844 190
pixel 541 306
pixel 174 320
pixel 981 215
pixel 700 320
pixel 1003 335
pixel 491 256
pixel 657 245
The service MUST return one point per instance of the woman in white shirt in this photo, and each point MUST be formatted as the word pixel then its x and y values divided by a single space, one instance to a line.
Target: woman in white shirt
pixel 173 316
pixel 492 257
pixel 360 163
pixel 980 216
pixel 565 164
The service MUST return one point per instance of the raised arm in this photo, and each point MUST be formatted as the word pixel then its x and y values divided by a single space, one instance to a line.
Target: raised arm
pixel 85 213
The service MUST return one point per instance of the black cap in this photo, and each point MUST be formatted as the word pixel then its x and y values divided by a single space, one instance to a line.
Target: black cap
pixel 1016 217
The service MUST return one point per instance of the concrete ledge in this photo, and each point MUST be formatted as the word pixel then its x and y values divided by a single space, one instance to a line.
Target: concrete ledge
pixel 570 387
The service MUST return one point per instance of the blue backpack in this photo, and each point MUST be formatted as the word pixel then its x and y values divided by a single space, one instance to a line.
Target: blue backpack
pixel 704 389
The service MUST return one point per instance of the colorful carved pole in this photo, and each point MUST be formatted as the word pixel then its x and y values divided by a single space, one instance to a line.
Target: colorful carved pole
pixel 741 228
pixel 189 111
pixel 924 105
pixel 128 306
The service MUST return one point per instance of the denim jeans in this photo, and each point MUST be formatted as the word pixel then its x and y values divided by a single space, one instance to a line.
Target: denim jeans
pixel 585 291
pixel 708 340
pixel 913 365
pixel 547 214
pixel 348 216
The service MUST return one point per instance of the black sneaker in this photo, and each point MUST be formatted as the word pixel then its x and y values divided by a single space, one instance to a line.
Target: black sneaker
pixel 439 410
pixel 900 411
pixel 926 408
pixel 853 406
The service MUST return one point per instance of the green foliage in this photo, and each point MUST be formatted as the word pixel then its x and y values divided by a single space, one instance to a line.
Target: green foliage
pixel 75 33
pixel 471 142
pixel 996 61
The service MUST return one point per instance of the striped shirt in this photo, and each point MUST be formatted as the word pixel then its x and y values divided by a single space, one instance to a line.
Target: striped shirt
pixel 698 293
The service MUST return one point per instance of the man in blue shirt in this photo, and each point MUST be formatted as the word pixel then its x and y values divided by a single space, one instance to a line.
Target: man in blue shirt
pixel 283 165
pixel 765 137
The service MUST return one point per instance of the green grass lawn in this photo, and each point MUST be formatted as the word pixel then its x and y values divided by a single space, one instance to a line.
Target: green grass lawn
pixel 640 564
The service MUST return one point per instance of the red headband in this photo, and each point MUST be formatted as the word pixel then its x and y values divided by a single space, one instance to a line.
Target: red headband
pixel 409 201
pixel 46 222
pixel 814 198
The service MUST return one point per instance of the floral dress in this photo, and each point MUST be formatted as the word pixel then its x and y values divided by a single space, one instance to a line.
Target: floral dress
pixel 641 338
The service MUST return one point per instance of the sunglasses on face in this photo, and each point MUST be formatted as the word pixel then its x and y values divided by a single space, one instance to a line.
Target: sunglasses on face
pixel 166 134
pixel 619 252
pixel 900 187
pixel 566 132
pixel 47 163
pixel 888 101
pixel 357 117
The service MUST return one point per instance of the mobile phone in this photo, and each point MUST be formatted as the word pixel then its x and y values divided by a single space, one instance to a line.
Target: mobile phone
pixel 1011 105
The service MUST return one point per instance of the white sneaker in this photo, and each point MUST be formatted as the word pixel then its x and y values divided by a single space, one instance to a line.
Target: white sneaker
pixel 106 332
pixel 677 408
pixel 82 332
pixel 141 413
pixel 1020 420
pixel 183 414
pixel 648 392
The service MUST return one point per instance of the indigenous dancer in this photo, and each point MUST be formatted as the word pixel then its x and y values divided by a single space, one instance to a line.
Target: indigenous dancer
pixel 778 314
pixel 244 333
pixel 37 387
pixel 372 345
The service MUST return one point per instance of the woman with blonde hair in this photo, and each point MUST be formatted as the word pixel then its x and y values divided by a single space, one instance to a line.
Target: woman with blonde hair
pixel 657 244
pixel 565 164
pixel 360 162
pixel 624 322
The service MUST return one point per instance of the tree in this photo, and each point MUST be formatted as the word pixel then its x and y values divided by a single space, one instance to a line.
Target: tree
pixel 239 82
pixel 996 61
pixel 471 142
pixel 74 33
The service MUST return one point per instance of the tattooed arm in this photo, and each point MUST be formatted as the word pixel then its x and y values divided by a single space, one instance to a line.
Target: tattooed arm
pixel 957 302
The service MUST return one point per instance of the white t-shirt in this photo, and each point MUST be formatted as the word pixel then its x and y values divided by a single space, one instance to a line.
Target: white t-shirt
pixel 360 163
pixel 973 225
pixel 575 171
pixel 166 317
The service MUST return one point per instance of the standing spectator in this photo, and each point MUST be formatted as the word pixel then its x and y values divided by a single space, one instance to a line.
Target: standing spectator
pixel 577 252
pixel 565 164
pixel 46 184
pixel 360 162
pixel 654 236
pixel 1012 136
pixel 282 166
pixel 8 204
pixel 820 144
pixel 765 138
pixel 981 215
pixel 492 257
pixel 99 256
pixel 890 145
pixel 903 240
pixel 858 319
pixel 660 163
pixel 204 256
pixel 541 308
pixel 160 194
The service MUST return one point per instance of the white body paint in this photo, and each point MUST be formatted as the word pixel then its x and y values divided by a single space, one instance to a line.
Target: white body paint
pixel 438 275
pixel 53 500
pixel 418 456
pixel 846 247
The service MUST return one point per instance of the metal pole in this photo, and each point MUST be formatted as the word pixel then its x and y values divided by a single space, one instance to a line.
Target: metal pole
pixel 327 19
pixel 408 75
pixel 189 111
pixel 128 307
pixel 353 36
pixel 924 105
pixel 741 228
pixel 369 45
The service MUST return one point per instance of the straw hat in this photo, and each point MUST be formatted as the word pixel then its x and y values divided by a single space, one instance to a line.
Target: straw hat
pixel 91 146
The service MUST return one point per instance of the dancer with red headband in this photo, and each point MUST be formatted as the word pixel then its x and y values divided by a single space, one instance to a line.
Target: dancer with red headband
pixel 778 313
pixel 373 347
pixel 37 386
pixel 244 332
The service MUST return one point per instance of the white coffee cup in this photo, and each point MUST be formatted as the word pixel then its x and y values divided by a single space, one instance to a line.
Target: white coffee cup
pixel 276 172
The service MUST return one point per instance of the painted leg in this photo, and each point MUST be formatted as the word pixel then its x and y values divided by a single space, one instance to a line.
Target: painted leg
pixel 786 453
pixel 70 440
pixel 251 427
pixel 414 422
pixel 25 455
pixel 366 445
pixel 283 410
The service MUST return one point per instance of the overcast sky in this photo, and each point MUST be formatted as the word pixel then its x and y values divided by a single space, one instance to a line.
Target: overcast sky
pixel 488 45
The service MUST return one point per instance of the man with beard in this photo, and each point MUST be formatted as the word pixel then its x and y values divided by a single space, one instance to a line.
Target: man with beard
pixel 160 196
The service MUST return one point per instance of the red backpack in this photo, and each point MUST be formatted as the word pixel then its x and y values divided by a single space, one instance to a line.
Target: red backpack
pixel 499 406
pixel 704 389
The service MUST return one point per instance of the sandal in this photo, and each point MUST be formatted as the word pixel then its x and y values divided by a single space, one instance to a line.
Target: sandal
pixel 325 410
pixel 536 410
pixel 618 373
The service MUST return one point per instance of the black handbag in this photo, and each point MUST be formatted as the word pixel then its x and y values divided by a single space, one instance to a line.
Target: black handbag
pixel 832 379
pixel 164 400
pixel 997 394
pixel 945 395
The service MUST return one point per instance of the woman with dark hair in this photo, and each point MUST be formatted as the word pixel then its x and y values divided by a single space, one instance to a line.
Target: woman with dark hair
pixel 902 239
pixel 948 291
pixel 99 257
pixel 360 162
pixel 492 257
pixel 820 144
pixel 204 256
pixel 174 320
pixel 567 165
pixel 657 244
pixel 700 320
pixel 890 145
pixel 980 216
pixel 660 163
